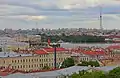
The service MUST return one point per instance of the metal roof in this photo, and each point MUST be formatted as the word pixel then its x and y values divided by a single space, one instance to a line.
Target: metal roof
pixel 12 54
pixel 50 74
pixel 106 68
pixel 57 73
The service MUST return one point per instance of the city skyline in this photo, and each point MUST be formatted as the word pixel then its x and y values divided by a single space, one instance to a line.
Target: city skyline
pixel 52 14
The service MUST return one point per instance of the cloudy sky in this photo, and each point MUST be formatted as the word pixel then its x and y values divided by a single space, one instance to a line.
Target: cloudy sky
pixel 27 14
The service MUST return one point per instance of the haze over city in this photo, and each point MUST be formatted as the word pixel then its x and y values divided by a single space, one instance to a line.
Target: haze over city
pixel 27 14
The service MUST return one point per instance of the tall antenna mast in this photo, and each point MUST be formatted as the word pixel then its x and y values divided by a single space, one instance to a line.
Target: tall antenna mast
pixel 101 26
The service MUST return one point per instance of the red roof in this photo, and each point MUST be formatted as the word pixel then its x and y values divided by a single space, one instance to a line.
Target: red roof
pixel 46 50
pixel 40 52
pixel 94 52
pixel 57 49
pixel 114 47
pixel 4 73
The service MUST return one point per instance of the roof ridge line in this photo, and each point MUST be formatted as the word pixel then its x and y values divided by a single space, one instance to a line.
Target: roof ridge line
pixel 44 50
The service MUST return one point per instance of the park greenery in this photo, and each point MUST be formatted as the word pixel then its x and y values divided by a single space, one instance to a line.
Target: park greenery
pixel 91 63
pixel 68 63
pixel 74 38
pixel 115 73
pixel 46 68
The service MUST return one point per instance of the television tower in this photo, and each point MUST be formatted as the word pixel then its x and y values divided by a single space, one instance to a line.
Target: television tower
pixel 101 18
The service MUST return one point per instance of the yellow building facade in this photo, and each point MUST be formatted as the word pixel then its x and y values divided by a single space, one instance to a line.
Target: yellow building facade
pixel 33 62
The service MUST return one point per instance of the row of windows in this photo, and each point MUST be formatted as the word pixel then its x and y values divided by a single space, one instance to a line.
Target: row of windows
pixel 32 60
pixel 25 66
pixel 35 60
pixel 84 59
pixel 29 60
pixel 32 66
pixel 59 55
pixel 43 55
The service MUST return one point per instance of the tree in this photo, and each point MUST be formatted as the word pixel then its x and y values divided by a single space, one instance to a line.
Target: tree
pixel 46 68
pixel 73 38
pixel 115 73
pixel 68 63
pixel 95 74
pixel 92 63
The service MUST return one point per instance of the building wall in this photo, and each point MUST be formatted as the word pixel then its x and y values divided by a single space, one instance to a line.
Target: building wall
pixel 9 44
pixel 35 62
pixel 84 57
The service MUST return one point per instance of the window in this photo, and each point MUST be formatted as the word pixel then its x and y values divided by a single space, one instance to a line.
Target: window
pixel 18 67
pixel 42 65
pixel 40 60
pixel 23 60
pixel 37 60
pixel 15 67
pixel 45 64
pixel 12 67
pixel 51 58
pixel 32 65
pixel 18 61
pixel 52 64
pixel 46 60
pixel 29 60
pixel 15 61
pixel 44 55
pixel 49 64
pixel 12 61
pixel 26 60
pixel 87 59
pixel 35 65
pixel 21 66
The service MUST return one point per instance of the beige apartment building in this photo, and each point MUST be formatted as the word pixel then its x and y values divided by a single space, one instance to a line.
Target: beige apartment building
pixel 34 41
pixel 7 44
pixel 36 61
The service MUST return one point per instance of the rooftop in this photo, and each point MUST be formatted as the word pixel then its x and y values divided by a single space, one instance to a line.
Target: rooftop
pixel 40 52
pixel 114 47
pixel 61 72
pixel 57 49
pixel 49 50
pixel 94 52
pixel 12 54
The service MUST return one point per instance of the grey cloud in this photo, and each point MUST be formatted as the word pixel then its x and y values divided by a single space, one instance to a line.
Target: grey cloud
pixel 57 17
